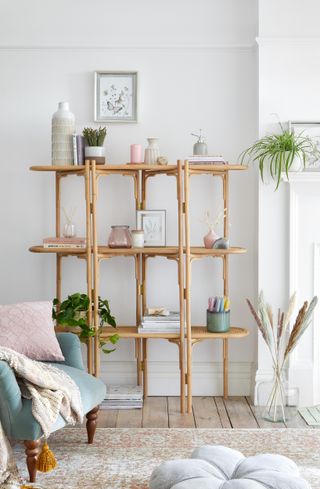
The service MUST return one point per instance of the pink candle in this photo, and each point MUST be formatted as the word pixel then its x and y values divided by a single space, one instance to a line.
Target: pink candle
pixel 135 153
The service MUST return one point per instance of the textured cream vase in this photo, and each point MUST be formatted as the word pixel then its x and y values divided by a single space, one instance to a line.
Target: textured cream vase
pixel 63 126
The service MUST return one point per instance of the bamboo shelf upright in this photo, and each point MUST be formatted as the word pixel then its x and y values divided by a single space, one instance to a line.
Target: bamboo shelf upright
pixel 182 253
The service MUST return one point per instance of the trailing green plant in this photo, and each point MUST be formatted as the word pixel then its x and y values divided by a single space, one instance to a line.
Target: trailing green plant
pixel 94 137
pixel 278 151
pixel 74 312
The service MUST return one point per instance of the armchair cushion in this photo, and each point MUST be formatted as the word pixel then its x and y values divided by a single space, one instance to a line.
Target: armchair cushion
pixel 71 349
pixel 28 328
pixel 22 424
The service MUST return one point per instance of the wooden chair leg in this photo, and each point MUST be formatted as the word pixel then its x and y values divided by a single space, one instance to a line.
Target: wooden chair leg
pixel 32 452
pixel 92 423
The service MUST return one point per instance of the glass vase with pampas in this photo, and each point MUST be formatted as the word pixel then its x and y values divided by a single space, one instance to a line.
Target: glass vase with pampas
pixel 280 343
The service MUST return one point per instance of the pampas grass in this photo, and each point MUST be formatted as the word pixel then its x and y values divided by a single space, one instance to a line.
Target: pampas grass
pixel 279 343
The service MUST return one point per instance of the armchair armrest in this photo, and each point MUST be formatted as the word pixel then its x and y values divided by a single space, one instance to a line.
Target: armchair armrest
pixel 71 349
pixel 10 397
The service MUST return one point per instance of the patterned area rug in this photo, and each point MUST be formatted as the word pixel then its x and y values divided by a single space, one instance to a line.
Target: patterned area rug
pixel 125 458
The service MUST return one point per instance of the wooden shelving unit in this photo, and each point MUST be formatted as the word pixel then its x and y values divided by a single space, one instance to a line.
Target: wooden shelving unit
pixel 183 254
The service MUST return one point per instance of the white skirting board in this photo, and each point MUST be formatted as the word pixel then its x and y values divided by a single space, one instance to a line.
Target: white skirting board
pixel 164 377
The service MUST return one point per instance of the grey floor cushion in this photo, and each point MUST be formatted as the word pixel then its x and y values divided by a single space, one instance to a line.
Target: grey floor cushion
pixel 217 467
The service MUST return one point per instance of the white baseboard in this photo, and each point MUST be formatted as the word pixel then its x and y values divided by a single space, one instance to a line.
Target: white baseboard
pixel 164 377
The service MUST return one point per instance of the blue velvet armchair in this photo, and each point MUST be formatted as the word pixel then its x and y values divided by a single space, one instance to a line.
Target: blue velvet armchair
pixel 15 411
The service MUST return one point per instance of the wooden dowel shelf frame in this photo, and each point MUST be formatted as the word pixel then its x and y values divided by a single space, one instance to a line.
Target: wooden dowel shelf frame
pixel 183 254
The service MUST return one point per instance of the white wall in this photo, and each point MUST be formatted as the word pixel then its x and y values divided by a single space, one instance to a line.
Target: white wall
pixel 289 78
pixel 197 68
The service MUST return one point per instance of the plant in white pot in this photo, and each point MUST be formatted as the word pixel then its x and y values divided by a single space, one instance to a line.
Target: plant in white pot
pixel 94 140
pixel 282 152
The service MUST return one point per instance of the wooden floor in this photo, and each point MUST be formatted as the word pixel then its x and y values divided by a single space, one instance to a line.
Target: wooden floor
pixel 208 412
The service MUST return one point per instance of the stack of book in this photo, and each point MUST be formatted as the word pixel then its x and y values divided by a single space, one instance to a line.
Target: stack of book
pixel 64 242
pixel 206 160
pixel 123 397
pixel 160 324
pixel 78 149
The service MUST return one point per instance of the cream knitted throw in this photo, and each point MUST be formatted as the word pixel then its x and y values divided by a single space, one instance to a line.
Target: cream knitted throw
pixel 52 392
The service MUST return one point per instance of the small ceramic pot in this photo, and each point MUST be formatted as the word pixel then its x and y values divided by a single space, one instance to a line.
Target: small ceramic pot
pixel 96 153
pixel 218 322
pixel 209 239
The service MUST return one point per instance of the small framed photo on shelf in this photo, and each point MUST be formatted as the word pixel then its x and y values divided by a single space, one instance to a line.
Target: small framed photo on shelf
pixel 115 96
pixel 153 223
pixel 311 130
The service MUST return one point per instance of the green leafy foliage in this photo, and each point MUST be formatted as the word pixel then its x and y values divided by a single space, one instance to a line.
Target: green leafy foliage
pixel 279 151
pixel 94 137
pixel 74 312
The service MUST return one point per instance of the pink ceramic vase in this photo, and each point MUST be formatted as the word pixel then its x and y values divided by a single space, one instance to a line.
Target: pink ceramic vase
pixel 210 238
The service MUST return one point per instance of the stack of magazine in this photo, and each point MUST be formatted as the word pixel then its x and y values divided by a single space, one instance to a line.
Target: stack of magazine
pixel 206 160
pixel 123 397
pixel 160 324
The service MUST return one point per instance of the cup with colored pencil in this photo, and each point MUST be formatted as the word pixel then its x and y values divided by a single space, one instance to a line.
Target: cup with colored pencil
pixel 218 314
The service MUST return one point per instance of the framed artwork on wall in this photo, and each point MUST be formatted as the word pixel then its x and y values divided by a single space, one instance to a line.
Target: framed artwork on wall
pixel 115 96
pixel 153 223
pixel 311 129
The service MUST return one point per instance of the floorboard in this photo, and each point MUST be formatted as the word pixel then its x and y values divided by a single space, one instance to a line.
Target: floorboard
pixel 176 419
pixel 155 413
pixel 208 412
pixel 240 413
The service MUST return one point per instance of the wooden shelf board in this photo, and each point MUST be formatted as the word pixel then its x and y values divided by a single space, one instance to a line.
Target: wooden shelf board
pixel 200 332
pixel 201 250
pixel 155 251
pixel 132 332
pixel 61 251
pixel 63 169
pixel 138 166
pixel 159 250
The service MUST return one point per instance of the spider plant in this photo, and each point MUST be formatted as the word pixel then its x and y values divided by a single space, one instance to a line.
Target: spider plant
pixel 278 151
pixel 94 137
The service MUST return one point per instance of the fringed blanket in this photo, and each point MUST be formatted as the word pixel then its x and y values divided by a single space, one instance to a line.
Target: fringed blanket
pixel 52 393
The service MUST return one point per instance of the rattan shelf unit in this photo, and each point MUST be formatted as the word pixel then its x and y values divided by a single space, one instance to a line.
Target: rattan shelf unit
pixel 183 254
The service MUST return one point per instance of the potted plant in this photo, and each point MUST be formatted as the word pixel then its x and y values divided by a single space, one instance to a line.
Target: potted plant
pixel 74 312
pixel 94 139
pixel 282 152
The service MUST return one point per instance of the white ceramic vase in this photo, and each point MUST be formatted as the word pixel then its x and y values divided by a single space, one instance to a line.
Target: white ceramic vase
pixel 63 126
pixel 152 152
pixel 96 153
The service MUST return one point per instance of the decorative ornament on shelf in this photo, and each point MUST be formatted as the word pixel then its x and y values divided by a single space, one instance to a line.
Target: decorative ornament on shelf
pixel 135 153
pixel 211 237
pixel 69 230
pixel 200 147
pixel 120 237
pixel 280 344
pixel 63 127
pixel 152 152
pixel 94 140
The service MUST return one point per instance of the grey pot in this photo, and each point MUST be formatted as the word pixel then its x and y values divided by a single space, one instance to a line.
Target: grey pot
pixel 218 322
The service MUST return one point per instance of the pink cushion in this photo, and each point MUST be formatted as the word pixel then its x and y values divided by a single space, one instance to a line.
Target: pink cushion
pixel 28 328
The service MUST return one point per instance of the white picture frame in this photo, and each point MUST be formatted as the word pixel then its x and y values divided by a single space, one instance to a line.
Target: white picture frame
pixel 311 129
pixel 115 96
pixel 153 223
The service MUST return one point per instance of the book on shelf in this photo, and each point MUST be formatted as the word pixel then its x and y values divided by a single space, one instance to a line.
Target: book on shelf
pixel 160 324
pixel 206 160
pixel 78 149
pixel 60 242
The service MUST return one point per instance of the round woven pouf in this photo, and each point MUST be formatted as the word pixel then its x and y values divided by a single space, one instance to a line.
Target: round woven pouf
pixel 217 467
